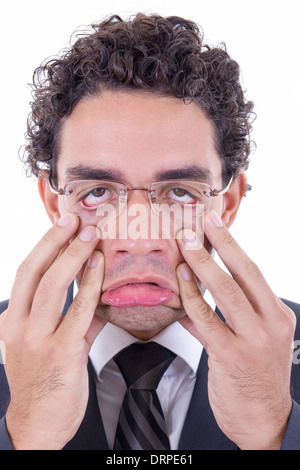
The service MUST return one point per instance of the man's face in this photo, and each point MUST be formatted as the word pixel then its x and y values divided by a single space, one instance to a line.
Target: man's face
pixel 138 136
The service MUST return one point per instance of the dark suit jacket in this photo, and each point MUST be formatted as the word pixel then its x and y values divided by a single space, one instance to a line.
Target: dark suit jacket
pixel 200 430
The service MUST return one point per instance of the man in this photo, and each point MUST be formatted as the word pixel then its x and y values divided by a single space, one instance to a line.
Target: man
pixel 136 109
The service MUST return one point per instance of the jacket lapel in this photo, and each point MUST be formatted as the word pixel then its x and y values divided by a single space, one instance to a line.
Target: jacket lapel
pixel 200 430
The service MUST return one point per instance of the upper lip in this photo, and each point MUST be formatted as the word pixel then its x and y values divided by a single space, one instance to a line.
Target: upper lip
pixel 154 279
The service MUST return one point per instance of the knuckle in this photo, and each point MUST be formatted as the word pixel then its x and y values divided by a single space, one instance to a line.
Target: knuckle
pixel 194 296
pixel 73 250
pixel 22 271
pixel 210 320
pixel 293 320
pixel 200 308
pixel 253 269
pixel 79 307
pixel 87 282
pixel 228 285
pixel 48 284
pixel 286 320
pixel 205 311
pixel 262 341
pixel 288 324
pixel 195 303
pixel 229 241
pixel 239 303
pixel 49 237
pixel 10 334
pixel 30 342
pixel 291 316
pixel 204 257
pixel 80 304
pixel 46 289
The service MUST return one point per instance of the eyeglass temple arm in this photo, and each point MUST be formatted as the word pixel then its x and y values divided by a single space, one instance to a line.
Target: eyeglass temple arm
pixel 59 192
pixel 216 192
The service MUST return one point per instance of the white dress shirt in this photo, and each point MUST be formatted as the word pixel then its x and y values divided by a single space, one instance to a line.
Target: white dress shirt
pixel 175 388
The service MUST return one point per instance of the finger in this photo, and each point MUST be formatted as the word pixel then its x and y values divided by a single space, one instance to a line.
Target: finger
pixel 78 322
pixel 243 270
pixel 50 296
pixel 211 331
pixel 227 294
pixel 36 264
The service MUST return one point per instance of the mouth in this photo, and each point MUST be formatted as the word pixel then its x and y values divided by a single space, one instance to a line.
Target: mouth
pixel 133 293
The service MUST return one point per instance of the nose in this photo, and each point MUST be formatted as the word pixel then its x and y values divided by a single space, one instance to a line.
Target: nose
pixel 139 247
pixel 137 228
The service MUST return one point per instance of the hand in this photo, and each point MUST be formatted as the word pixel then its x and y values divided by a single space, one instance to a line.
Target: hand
pixel 46 355
pixel 250 355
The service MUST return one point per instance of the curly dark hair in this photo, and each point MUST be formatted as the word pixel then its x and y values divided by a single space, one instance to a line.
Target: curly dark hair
pixel 152 53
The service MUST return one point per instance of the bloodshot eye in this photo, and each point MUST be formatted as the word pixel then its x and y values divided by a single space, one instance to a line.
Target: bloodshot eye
pixel 181 195
pixel 95 197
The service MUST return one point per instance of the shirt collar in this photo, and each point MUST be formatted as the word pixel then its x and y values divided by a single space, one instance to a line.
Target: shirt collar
pixel 112 339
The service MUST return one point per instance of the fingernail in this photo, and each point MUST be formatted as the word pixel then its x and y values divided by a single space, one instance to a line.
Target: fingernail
pixel 65 220
pixel 186 272
pixel 215 219
pixel 93 260
pixel 87 234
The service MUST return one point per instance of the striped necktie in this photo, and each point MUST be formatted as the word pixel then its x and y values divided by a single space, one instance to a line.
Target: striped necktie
pixel 141 423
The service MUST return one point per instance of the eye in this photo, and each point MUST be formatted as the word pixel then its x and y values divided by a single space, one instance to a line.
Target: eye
pixel 181 195
pixel 95 197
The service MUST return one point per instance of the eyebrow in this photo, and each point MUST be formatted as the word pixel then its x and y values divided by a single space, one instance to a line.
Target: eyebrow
pixel 191 172
pixel 81 172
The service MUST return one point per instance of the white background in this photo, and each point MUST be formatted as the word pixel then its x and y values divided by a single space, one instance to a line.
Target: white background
pixel 262 35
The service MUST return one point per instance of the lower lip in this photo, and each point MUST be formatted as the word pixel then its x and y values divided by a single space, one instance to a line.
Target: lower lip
pixel 135 294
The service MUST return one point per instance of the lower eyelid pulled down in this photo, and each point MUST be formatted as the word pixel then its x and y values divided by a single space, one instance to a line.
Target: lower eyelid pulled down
pixel 182 198
pixel 96 200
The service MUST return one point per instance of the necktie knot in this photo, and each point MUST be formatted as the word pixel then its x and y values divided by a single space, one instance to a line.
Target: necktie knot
pixel 143 365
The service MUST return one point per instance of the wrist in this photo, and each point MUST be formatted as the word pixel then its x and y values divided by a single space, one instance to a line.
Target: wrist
pixel 25 436
pixel 270 436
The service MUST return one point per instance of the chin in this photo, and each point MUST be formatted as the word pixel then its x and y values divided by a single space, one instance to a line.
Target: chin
pixel 140 320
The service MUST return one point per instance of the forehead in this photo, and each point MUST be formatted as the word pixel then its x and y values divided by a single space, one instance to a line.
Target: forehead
pixel 137 135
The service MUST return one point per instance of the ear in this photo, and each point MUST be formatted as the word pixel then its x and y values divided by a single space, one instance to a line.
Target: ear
pixel 232 199
pixel 50 199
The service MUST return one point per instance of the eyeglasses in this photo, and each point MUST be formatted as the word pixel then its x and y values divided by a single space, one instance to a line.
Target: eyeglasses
pixel 86 197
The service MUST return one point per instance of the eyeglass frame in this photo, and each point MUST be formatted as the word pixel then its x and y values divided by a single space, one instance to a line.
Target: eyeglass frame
pixel 211 193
